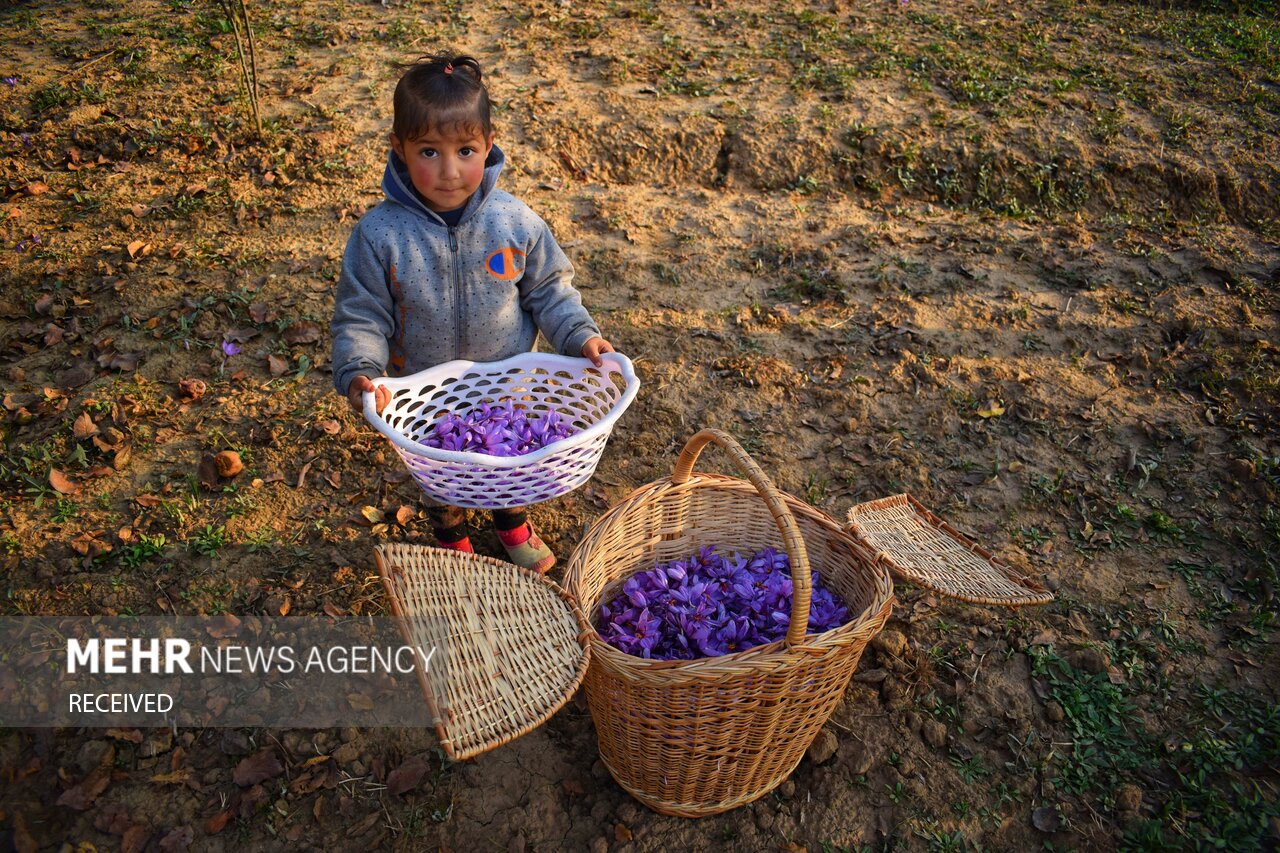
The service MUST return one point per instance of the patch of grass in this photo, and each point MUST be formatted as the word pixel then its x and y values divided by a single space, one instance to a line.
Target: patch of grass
pixel 1099 717
pixel 1228 733
pixel 1231 39
pixel 939 841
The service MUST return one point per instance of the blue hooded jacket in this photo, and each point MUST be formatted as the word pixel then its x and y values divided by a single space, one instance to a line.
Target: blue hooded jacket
pixel 415 293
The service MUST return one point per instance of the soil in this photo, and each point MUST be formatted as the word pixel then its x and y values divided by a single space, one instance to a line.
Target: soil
pixel 1018 260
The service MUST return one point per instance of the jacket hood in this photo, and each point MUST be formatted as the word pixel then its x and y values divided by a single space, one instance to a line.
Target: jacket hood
pixel 399 187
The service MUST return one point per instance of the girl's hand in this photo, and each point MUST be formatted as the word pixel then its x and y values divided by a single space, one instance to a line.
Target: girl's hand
pixel 355 394
pixel 594 347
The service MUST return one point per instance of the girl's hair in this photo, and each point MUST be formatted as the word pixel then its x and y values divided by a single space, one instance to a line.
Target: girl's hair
pixel 440 92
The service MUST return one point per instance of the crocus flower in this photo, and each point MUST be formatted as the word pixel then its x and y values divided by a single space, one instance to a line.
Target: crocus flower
pixel 709 604
pixel 229 349
pixel 497 429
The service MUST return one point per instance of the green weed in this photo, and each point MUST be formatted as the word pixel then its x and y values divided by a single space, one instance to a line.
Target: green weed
pixel 208 540
pixel 146 548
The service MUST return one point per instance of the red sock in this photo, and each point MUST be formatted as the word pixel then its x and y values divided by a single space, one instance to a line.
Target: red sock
pixel 511 538
pixel 463 544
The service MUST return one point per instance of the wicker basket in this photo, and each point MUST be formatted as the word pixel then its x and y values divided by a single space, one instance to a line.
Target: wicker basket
pixel 920 547
pixel 514 643
pixel 694 738
pixel 588 397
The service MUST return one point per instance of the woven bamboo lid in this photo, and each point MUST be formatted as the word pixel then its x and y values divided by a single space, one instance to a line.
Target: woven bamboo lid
pixel 921 548
pixel 513 643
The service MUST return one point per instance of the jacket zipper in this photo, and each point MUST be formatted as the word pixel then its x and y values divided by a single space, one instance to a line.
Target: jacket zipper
pixel 457 293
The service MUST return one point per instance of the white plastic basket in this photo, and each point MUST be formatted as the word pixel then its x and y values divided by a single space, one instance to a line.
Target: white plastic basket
pixel 589 398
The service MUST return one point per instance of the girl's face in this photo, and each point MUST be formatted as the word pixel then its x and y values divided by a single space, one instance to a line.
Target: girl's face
pixel 446 168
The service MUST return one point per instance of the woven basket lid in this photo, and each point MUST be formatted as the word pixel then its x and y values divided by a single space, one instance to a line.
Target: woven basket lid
pixel 513 642
pixel 921 548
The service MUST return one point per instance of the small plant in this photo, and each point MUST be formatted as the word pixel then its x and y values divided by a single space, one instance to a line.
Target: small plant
pixel 1161 524
pixel 208 540
pixel 64 510
pixel 970 769
pixel 815 489
pixel 143 550
pixel 246 50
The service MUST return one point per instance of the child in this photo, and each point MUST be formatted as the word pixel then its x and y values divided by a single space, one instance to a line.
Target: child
pixel 449 266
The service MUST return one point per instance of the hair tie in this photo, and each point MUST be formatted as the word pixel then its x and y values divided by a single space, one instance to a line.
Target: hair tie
pixel 448 68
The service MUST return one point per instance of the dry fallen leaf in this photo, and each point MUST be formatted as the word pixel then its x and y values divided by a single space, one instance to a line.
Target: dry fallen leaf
pixel 217 823
pixel 74 377
pixel 260 312
pixel 993 410
pixel 82 796
pixel 181 776
pixel 240 335
pixel 207 472
pixel 62 483
pixel 223 625
pixel 304 332
pixel 112 818
pixel 131 735
pixel 23 841
pixel 178 839
pixel 84 427
pixel 260 766
pixel 407 776
pixel 1047 637
pixel 277 365
pixel 359 702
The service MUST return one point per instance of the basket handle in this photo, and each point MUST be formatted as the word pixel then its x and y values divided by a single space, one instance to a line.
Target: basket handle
pixel 801 591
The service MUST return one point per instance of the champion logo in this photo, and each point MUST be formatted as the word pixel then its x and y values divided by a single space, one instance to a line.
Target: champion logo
pixel 505 264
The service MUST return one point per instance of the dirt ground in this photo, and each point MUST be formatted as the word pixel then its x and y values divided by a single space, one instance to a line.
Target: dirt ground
pixel 1019 260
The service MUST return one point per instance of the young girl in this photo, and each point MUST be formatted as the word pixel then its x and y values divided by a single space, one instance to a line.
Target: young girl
pixel 451 267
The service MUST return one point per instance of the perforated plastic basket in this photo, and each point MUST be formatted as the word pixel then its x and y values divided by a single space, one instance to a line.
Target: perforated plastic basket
pixel 589 398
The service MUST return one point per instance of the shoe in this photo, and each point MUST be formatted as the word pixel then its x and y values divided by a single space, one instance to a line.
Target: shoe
pixel 463 545
pixel 532 553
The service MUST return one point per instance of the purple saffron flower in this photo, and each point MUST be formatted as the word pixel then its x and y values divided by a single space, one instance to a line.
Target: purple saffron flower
pixel 734 636
pixel 10 81
pixel 709 604
pixel 634 589
pixel 229 349
pixel 496 429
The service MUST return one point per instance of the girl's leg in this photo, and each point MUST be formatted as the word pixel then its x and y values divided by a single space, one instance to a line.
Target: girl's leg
pixel 449 523
pixel 523 546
